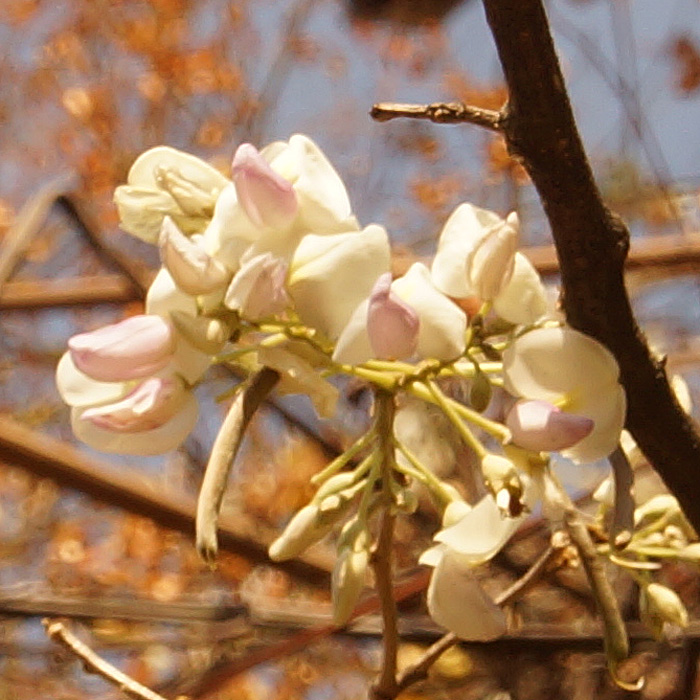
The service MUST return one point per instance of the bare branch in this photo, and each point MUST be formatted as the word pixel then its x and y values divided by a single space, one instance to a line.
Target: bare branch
pixel 440 113
pixel 223 454
pixel 96 664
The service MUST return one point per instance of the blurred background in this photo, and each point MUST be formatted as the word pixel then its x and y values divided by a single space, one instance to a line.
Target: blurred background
pixel 86 86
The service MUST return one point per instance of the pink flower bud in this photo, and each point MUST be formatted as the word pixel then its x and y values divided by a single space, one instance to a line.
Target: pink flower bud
pixel 152 404
pixel 540 426
pixel 136 347
pixel 258 288
pixel 266 197
pixel 392 325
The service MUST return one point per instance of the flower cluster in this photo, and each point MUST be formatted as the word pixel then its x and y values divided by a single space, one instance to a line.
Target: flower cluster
pixel 269 268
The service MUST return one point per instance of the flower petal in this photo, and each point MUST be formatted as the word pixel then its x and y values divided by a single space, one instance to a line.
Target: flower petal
pixel 331 275
pixel 461 233
pixel 77 389
pixel 457 602
pixel 524 299
pixel 267 198
pixel 133 348
pixel 193 270
pixel 442 323
pixel 481 533
pixel 148 442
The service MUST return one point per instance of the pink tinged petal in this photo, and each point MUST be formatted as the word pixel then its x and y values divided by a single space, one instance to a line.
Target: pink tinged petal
pixel 77 389
pixel 490 265
pixel 136 347
pixel 162 439
pixel 150 405
pixel 457 602
pixel 330 275
pixel 392 325
pixel 267 198
pixel 542 427
pixel 193 270
pixel 258 288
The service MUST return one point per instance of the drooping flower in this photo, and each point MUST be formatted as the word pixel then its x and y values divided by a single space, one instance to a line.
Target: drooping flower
pixel 523 300
pixel 441 323
pixel 574 373
pixel 258 288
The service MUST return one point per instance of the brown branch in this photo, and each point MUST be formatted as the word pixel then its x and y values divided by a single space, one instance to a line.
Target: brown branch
pixel 440 113
pixel 48 457
pixel 96 664
pixel 591 242
pixel 87 289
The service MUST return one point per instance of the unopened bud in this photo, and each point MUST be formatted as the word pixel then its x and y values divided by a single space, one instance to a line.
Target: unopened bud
pixel 480 391
pixel 392 325
pixel 658 604
pixel 307 527
pixel 657 507
pixel 348 581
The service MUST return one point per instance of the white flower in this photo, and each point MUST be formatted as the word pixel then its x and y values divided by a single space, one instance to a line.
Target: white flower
pixel 475 255
pixel 330 275
pixel 258 288
pixel 166 182
pixel 279 195
pixel 442 324
pixel 575 373
pixel 140 417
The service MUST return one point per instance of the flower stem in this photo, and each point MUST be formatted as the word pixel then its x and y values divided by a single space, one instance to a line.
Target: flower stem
pixel 386 685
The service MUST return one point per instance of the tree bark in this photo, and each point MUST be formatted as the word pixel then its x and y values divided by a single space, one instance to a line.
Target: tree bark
pixel 592 242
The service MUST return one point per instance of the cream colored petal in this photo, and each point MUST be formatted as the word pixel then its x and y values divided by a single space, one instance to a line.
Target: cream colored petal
pixel 457 602
pixel 465 227
pixel 149 442
pixel 353 346
pixel 141 211
pixel 163 296
pixel 546 363
pixel 331 275
pixel 442 323
pixel 323 199
pixel 481 533
pixel 524 299
pixel 77 389
pixel 608 410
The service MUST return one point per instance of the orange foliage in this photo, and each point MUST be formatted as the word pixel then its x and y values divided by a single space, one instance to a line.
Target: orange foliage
pixel 687 59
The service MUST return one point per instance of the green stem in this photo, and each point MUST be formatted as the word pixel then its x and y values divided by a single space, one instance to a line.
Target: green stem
pixel 339 462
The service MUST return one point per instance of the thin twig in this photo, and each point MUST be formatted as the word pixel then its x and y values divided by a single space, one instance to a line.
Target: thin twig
pixel 96 664
pixel 223 454
pixel 419 670
pixel 440 113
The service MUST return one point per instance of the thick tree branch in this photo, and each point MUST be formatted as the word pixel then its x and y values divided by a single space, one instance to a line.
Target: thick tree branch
pixel 591 242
